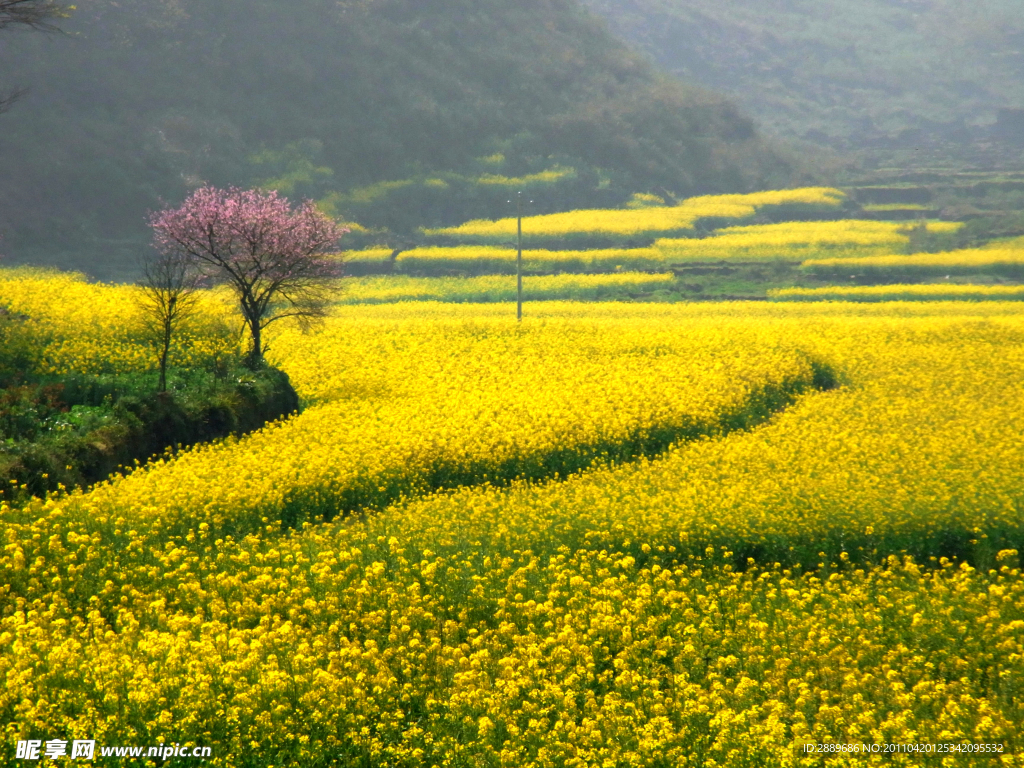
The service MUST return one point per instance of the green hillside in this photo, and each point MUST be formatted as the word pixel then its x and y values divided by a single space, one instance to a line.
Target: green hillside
pixel 851 73
pixel 393 113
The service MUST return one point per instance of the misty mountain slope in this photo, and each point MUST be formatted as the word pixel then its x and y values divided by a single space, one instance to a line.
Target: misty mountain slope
pixel 852 70
pixel 140 102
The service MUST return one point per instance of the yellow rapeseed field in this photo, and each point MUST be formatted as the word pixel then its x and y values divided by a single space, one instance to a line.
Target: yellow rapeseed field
pixel 642 222
pixel 917 453
pixel 896 207
pixel 549 176
pixel 487 288
pixel 477 400
pixel 795 241
pixel 94 328
pixel 847 572
pixel 366 256
pixel 491 259
pixel 902 292
pixel 1006 261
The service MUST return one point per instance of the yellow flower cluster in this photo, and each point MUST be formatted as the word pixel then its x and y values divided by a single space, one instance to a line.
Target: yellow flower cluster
pixel 990 260
pixel 795 241
pixel 643 221
pixel 93 328
pixel 339 647
pixel 1012 243
pixel 489 288
pixel 767 585
pixel 402 403
pixel 897 292
pixel 549 176
pixel 821 242
pixel 919 451
pixel 366 256
pixel 491 259
pixel 896 207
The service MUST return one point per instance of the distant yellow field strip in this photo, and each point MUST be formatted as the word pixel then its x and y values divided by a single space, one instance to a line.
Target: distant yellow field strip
pixel 374 290
pixel 1007 261
pixel 644 221
pixel 896 207
pixel 368 255
pixel 503 260
pixel 794 241
pixel 913 292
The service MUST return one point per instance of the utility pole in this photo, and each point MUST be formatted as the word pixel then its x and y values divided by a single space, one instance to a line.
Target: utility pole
pixel 519 255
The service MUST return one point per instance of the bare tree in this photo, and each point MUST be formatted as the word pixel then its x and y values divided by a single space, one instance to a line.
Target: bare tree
pixel 33 14
pixel 169 299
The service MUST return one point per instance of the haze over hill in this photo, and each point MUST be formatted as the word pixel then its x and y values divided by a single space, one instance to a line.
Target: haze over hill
pixel 397 113
pixel 850 73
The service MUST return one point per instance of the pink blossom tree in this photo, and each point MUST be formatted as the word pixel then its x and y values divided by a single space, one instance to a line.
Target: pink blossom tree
pixel 274 258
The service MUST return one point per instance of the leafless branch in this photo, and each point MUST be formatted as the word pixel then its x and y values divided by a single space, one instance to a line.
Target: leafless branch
pixel 7 101
pixel 169 299
pixel 35 14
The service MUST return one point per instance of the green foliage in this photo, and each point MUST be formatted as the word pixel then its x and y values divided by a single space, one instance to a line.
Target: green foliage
pixel 25 410
pixel 645 200
pixel 393 113
pixel 974 232
pixel 445 199
pixel 743 282
pixel 71 431
pixel 293 170
pixel 920 239
pixel 625 286
pixel 20 348
pixel 854 73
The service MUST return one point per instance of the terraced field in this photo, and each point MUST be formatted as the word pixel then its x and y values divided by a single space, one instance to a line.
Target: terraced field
pixel 618 535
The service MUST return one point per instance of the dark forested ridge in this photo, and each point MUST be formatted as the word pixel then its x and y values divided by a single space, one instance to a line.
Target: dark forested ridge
pixel 850 73
pixel 395 113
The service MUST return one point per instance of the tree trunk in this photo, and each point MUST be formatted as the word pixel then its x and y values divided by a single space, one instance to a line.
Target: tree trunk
pixel 162 386
pixel 256 351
